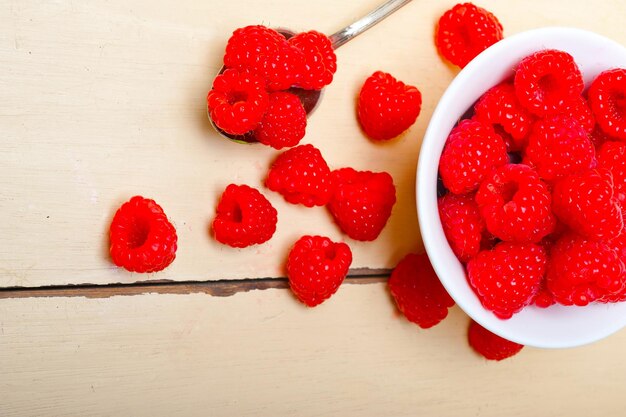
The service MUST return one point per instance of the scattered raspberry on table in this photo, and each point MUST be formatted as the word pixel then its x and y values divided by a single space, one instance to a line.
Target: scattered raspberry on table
pixel 244 217
pixel 386 106
pixel 490 345
pixel 465 31
pixel 142 238
pixel 417 291
pixel 316 267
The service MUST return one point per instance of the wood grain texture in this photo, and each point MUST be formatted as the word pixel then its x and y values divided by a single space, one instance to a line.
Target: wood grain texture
pixel 104 100
pixel 261 353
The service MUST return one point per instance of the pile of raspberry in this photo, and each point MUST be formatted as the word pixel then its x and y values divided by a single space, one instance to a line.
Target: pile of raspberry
pixel 254 98
pixel 533 188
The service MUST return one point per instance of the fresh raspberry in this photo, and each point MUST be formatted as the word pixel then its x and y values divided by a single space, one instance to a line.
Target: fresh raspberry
pixel 237 101
pixel 516 204
pixel 508 277
pixel 544 298
pixel 462 224
pixel 579 109
pixel 142 238
pixel 598 137
pixel 320 61
pixel 266 52
pixel 387 107
pixel 316 268
pixel 301 176
pixel 465 31
pixel 243 217
pixel 559 146
pixel 362 201
pixel 284 123
pixel 500 108
pixel 546 82
pixel 619 246
pixel 607 96
pixel 417 291
pixel 472 151
pixel 581 271
pixel 490 345
pixel 586 203
pixel 612 156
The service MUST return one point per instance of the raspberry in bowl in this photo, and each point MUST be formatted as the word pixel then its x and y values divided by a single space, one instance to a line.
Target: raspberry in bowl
pixel 526 244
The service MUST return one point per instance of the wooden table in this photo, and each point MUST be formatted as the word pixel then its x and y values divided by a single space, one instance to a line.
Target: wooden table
pixel 104 100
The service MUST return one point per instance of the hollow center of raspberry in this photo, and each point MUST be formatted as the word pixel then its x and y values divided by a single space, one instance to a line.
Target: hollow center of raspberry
pixel 508 191
pixel 237 96
pixel 619 105
pixel 138 234
pixel 330 253
pixel 548 83
pixel 235 214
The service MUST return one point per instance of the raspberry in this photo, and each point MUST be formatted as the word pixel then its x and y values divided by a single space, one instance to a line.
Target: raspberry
pixel 243 217
pixel 316 268
pixel 507 278
pixel 500 108
pixel 417 291
pixel 362 201
pixel 619 246
pixel 579 109
pixel 586 203
pixel 607 96
pixel 284 123
pixel 237 101
pixel 301 176
pixel 387 107
pixel 544 298
pixel 558 147
pixel 490 345
pixel 465 31
pixel 516 204
pixel 612 156
pixel 462 224
pixel 471 152
pixel 267 53
pixel 581 271
pixel 142 238
pixel 547 81
pixel 320 61
pixel 598 137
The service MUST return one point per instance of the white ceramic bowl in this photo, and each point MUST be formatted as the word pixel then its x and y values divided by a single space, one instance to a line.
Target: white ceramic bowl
pixel 556 326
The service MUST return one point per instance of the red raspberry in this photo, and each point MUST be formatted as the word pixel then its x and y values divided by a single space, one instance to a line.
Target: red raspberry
pixel 586 203
pixel 516 204
pixel 267 53
pixel 362 202
pixel 316 267
pixel 598 137
pixel 607 96
pixel 462 224
pixel 284 123
pixel 579 109
pixel 546 82
pixel 387 107
pixel 544 298
pixel 142 238
pixel 558 147
pixel 237 101
pixel 581 271
pixel 508 277
pixel 490 345
pixel 619 246
pixel 472 151
pixel 465 31
pixel 417 291
pixel 243 217
pixel 320 61
pixel 612 156
pixel 500 108
pixel 301 176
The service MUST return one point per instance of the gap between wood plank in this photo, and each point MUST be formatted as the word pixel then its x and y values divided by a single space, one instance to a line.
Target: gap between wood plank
pixel 221 288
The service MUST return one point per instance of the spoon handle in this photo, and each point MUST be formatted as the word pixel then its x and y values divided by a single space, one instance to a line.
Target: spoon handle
pixel 344 35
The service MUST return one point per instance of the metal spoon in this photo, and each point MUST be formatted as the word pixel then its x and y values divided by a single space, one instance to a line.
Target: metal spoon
pixel 310 98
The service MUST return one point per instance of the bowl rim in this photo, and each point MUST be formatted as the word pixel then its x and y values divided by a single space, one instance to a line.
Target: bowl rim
pixel 426 194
